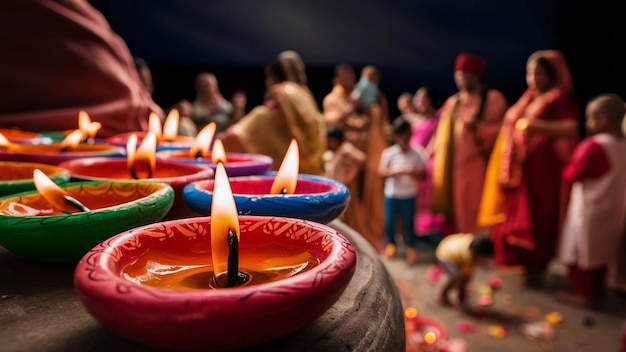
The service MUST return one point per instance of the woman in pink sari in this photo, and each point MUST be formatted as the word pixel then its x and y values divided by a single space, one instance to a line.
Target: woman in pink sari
pixel 522 195
pixel 424 124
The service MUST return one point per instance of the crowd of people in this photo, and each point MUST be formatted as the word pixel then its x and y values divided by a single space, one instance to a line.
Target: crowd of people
pixel 515 172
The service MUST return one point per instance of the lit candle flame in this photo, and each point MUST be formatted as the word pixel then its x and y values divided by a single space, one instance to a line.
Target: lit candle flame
pixel 170 127
pixel 54 194
pixel 145 153
pixel 430 338
pixel 72 140
pixel 4 142
pixel 201 144
pixel 131 146
pixel 287 175
pixel 154 125
pixel 218 154
pixel 88 127
pixel 223 219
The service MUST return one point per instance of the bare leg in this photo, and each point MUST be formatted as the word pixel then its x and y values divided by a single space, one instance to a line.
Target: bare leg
pixel 443 298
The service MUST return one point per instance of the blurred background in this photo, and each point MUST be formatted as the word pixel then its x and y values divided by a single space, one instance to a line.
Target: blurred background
pixel 414 42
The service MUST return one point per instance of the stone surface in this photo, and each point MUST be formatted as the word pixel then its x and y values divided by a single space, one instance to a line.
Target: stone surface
pixel 43 312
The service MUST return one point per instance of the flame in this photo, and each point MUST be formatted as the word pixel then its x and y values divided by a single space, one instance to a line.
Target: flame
pixel 83 120
pixel 287 175
pixel 430 338
pixel 154 125
pixel 170 127
pixel 50 190
pixel 223 219
pixel 72 140
pixel 88 128
pixel 131 146
pixel 218 154
pixel 202 142
pixel 145 153
pixel 4 142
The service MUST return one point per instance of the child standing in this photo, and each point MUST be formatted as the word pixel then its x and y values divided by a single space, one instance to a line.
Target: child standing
pixel 401 165
pixel 596 215
pixel 459 254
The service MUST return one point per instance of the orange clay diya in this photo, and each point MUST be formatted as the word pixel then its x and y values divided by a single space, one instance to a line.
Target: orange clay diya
pixel 17 176
pixel 55 153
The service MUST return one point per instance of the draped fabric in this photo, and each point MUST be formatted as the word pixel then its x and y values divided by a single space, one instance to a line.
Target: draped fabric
pixel 65 58
pixel 426 222
pixel 463 143
pixel 289 112
pixel 268 130
pixel 365 211
pixel 522 194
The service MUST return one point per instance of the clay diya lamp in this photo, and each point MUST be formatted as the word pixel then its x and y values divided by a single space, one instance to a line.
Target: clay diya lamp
pixel 423 334
pixel 19 136
pixel 62 223
pixel 215 283
pixel 17 176
pixel 55 153
pixel 236 164
pixel 142 165
pixel 167 135
pixel 283 193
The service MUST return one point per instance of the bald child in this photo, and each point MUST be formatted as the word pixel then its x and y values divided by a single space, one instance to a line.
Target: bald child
pixel 596 214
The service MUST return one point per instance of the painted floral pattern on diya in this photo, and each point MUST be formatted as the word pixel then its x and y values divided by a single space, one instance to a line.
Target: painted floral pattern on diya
pixel 33 228
pixel 122 284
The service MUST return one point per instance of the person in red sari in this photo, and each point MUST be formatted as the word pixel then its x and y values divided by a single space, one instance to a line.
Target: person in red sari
pixel 60 57
pixel 522 195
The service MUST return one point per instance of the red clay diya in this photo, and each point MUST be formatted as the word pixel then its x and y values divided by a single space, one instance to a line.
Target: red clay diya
pixel 16 176
pixel 154 284
pixel 424 334
pixel 175 174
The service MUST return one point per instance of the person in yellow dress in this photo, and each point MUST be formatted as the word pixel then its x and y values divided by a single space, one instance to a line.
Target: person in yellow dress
pixel 459 254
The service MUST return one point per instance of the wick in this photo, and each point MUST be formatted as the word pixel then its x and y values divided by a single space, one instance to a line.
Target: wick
pixel 134 175
pixel 283 191
pixel 76 204
pixel 232 275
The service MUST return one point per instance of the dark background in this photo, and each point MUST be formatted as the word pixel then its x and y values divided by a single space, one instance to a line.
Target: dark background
pixel 413 42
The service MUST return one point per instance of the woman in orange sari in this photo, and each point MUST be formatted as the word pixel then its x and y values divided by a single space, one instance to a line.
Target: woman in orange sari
pixel 522 195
